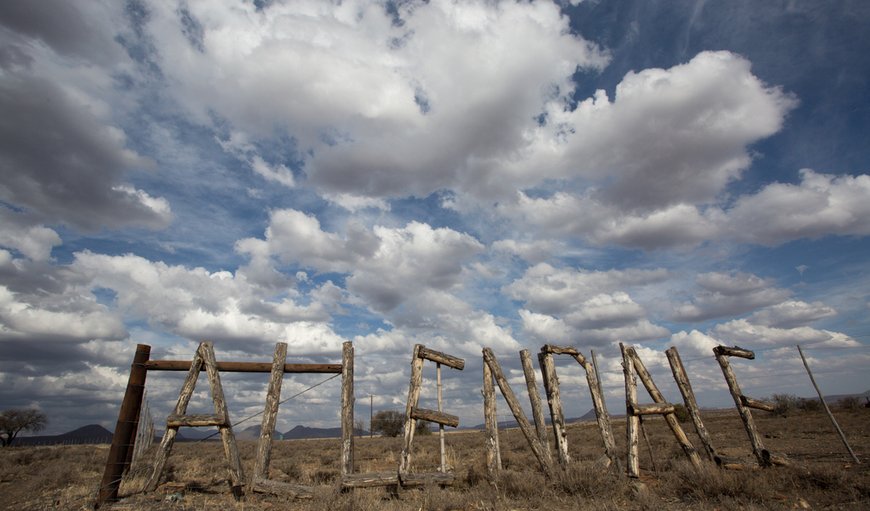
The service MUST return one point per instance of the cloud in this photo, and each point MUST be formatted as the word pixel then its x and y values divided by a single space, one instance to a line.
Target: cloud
pixel 385 266
pixel 566 305
pixel 80 321
pixel 669 136
pixel 791 313
pixel 559 290
pixel 694 343
pixel 728 294
pixel 219 306
pixel 819 205
pixel 31 239
pixel 742 331
pixel 76 31
pixel 431 96
pixel 64 163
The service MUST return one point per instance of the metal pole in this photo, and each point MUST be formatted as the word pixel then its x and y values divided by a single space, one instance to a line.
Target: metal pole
pixel 371 415
pixel 824 404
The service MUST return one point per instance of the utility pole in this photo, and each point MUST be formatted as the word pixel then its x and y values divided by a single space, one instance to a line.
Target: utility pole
pixel 371 415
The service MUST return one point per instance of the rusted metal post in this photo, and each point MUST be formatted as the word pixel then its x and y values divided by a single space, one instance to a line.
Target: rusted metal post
pixel 125 429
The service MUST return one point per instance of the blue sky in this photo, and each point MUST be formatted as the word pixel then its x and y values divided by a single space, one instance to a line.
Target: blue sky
pixel 461 175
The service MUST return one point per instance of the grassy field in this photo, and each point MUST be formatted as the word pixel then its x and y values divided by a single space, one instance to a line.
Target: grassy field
pixel 821 475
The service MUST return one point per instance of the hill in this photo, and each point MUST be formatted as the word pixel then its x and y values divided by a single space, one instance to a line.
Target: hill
pixel 90 434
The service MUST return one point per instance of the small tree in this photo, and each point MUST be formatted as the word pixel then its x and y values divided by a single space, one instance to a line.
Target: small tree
pixel 423 428
pixel 388 422
pixel 15 420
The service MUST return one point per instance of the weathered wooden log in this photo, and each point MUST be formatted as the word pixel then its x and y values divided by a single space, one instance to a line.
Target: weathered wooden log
pixel 761 454
pixel 670 417
pixel 493 452
pixel 600 407
pixel 651 409
pixel 632 422
pixel 180 409
pixel 735 351
pixel 270 413
pixel 347 402
pixel 426 479
pixel 435 416
pixel 825 405
pixel 442 449
pixel 243 367
pixel 535 400
pixel 441 358
pixel 757 404
pixel 560 350
pixel 370 480
pixel 682 379
pixel 128 418
pixel 557 416
pixel 509 396
pixel 413 397
pixel 280 488
pixel 174 421
pixel 234 464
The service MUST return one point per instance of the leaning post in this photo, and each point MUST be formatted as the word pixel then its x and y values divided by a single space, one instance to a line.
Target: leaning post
pixel 128 420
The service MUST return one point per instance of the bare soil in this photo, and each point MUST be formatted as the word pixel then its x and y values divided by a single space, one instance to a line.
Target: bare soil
pixel 821 475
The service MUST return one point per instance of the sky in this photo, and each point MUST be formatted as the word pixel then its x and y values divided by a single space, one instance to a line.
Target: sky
pixel 455 174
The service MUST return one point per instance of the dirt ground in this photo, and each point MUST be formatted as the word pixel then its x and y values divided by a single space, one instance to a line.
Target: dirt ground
pixel 821 475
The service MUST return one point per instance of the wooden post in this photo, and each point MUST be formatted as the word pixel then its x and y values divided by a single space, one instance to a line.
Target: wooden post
pixel 440 426
pixel 270 415
pixel 128 418
pixel 535 400
pixel 509 396
pixel 603 418
pixel 669 415
pixel 682 379
pixel 632 468
pixel 551 386
pixel 234 465
pixel 413 397
pixel 828 410
pixel 347 402
pixel 722 353
pixel 493 452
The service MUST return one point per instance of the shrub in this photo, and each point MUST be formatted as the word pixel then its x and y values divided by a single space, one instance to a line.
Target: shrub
pixel 809 405
pixel 423 428
pixel 682 413
pixel 388 422
pixel 849 403
pixel 784 404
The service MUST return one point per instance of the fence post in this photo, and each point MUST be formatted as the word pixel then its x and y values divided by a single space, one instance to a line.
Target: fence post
pixel 824 404
pixel 347 400
pixel 125 429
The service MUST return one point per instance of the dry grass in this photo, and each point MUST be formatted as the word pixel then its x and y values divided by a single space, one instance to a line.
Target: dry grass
pixel 820 477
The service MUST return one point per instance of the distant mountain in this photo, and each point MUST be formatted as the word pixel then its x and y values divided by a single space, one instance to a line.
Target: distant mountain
pixel 306 432
pixel 253 433
pixel 90 434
